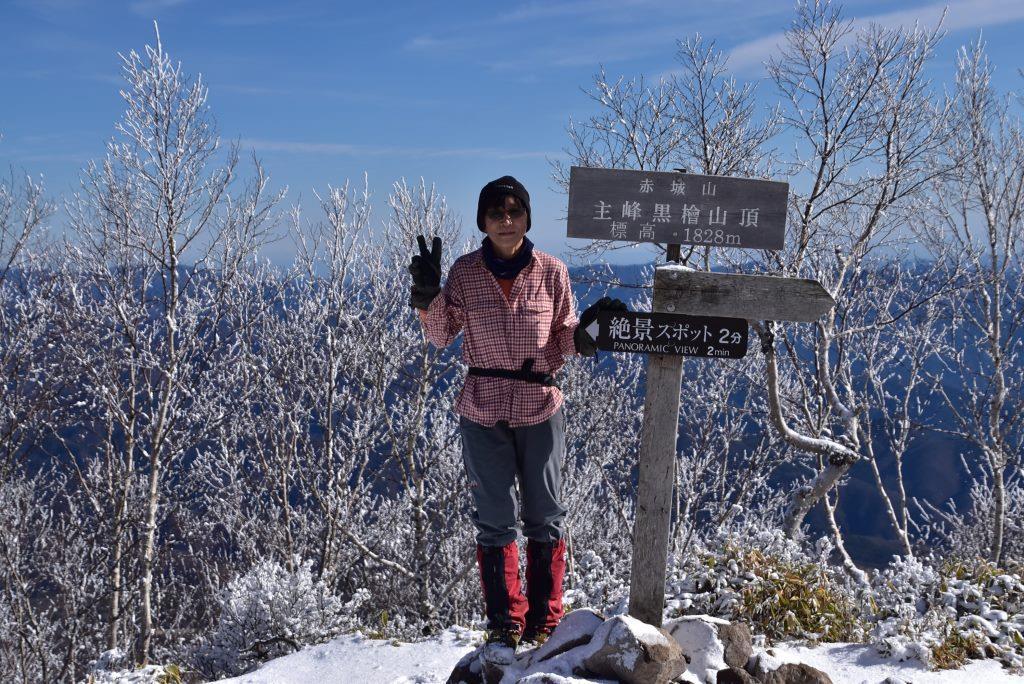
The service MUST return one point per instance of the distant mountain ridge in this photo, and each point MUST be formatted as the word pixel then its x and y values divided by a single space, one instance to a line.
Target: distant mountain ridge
pixel 932 468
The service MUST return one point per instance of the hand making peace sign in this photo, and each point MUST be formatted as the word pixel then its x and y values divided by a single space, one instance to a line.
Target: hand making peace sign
pixel 425 268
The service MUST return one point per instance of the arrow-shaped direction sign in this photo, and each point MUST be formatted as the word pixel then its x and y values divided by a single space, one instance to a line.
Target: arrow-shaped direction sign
pixel 642 332
pixel 753 297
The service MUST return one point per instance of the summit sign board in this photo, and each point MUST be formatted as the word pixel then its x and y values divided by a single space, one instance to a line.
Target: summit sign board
pixel 680 208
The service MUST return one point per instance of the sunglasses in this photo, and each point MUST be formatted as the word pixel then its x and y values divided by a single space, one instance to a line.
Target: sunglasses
pixel 498 214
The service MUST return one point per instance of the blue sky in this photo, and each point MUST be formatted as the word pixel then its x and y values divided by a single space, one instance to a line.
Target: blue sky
pixel 456 92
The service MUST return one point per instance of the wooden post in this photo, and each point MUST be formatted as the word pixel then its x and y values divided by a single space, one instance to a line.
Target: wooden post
pixel 698 210
pixel 657 478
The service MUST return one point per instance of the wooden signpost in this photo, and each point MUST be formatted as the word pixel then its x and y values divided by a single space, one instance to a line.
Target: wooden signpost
pixel 676 208
pixel 673 208
pixel 673 334
pixel 751 297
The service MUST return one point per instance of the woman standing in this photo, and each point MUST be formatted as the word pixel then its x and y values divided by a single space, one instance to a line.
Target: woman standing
pixel 513 305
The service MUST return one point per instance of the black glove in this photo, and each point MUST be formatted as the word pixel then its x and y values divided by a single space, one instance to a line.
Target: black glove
pixel 426 273
pixel 584 343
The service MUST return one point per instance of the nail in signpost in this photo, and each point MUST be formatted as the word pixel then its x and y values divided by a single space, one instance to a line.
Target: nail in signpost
pixel 712 308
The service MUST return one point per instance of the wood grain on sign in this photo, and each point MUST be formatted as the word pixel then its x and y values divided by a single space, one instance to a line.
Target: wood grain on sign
pixel 654 487
pixel 753 297
pixel 680 208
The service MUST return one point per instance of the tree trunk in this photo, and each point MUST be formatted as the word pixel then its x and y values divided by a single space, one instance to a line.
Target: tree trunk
pixel 149 542
pixel 837 458
pixel 998 514
pixel 421 530
pixel 115 589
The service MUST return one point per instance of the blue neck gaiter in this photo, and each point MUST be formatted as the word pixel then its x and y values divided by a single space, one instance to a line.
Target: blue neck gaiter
pixel 507 268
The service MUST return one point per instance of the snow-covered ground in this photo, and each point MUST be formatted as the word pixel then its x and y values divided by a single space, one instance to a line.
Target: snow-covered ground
pixel 857 663
pixel 354 659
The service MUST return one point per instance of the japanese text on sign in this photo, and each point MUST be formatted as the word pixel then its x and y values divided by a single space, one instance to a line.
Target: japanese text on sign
pixel 675 334
pixel 613 204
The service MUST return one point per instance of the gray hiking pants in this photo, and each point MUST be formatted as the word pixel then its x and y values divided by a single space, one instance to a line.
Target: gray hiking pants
pixel 495 457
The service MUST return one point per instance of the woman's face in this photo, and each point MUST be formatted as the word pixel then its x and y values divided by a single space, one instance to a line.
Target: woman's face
pixel 506 228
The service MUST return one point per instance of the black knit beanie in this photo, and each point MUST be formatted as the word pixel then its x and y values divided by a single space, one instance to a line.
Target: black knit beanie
pixel 494 192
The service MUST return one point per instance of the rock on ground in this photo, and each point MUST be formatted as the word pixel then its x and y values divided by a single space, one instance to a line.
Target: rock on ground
pixel 735 638
pixel 793 673
pixel 575 629
pixel 587 648
pixel 697 635
pixel 760 664
pixel 634 652
pixel 554 662
pixel 735 675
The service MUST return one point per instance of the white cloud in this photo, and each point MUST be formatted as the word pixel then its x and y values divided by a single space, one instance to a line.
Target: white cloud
pixel 575 8
pixel 150 7
pixel 965 14
pixel 428 43
pixel 344 149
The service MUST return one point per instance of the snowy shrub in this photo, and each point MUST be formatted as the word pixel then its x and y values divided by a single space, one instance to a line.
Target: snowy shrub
pixel 945 614
pixel 598 582
pixel 269 612
pixel 753 573
pixel 911 618
pixel 116 667
pixel 967 534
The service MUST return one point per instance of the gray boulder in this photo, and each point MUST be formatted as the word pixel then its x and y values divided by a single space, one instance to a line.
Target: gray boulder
pixel 697 635
pixel 634 652
pixel 468 670
pixel 735 638
pixel 495 659
pixel 760 664
pixel 575 629
pixel 734 675
pixel 797 673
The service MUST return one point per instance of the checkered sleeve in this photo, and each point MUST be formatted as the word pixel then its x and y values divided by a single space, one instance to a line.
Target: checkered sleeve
pixel 446 315
pixel 564 321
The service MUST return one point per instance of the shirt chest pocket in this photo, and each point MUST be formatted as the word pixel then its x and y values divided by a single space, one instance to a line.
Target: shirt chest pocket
pixel 535 322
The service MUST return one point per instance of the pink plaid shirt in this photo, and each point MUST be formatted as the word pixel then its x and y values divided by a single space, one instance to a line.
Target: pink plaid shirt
pixel 536 321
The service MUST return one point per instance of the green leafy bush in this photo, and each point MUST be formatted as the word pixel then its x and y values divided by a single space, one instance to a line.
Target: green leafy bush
pixel 780 588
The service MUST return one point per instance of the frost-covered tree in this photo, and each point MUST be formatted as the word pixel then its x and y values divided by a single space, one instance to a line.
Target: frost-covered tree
pixel 867 136
pixel 270 611
pixel 896 382
pixel 28 387
pixel 37 551
pixel 868 132
pixel 159 243
pixel 726 466
pixel 980 212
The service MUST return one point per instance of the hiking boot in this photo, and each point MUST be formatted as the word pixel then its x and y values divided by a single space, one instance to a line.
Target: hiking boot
pixel 509 638
pixel 534 637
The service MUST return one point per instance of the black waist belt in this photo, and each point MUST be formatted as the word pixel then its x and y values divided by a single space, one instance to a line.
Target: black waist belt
pixel 526 374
